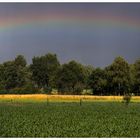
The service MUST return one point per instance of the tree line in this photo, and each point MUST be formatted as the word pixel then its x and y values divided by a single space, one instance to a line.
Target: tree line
pixel 45 74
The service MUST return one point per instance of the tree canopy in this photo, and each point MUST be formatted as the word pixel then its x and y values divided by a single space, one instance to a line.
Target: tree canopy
pixel 46 73
pixel 118 74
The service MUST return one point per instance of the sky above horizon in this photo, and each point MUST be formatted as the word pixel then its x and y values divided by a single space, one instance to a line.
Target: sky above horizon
pixel 90 33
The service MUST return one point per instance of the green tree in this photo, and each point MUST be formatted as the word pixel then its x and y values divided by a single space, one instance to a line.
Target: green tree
pixel 23 73
pixel 137 76
pixel 87 71
pixel 44 70
pixel 2 82
pixel 132 78
pixel 118 76
pixel 97 81
pixel 11 78
pixel 20 61
pixel 53 66
pixel 71 78
pixel 14 75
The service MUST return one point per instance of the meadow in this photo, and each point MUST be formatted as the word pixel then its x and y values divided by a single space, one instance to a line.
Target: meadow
pixel 68 118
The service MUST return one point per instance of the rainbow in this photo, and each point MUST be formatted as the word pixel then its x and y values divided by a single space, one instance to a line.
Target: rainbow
pixel 61 19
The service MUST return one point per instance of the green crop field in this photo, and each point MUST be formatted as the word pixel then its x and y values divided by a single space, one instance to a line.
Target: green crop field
pixel 69 119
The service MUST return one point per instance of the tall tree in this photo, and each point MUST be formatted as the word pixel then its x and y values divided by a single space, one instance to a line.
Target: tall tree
pixel 2 82
pixel 71 78
pixel 23 73
pixel 20 61
pixel 44 70
pixel 87 70
pixel 132 78
pixel 53 66
pixel 15 73
pixel 97 81
pixel 11 78
pixel 119 76
pixel 137 76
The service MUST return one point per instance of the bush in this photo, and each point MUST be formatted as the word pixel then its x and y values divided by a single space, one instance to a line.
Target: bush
pixel 78 88
pixel 54 91
pixel 3 91
pixel 87 92
pixel 47 90
pixel 27 89
pixel 127 98
pixel 30 88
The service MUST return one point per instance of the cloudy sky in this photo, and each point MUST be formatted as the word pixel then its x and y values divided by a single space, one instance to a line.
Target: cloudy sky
pixel 92 33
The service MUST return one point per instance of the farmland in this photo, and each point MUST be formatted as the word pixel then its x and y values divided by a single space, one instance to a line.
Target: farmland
pixel 67 118
pixel 60 98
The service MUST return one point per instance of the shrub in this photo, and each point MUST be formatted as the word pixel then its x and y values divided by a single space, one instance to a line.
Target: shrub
pixel 87 92
pixel 27 89
pixel 47 90
pixel 54 91
pixel 127 98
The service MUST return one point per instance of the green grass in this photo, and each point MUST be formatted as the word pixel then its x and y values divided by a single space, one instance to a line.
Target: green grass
pixel 53 100
pixel 69 119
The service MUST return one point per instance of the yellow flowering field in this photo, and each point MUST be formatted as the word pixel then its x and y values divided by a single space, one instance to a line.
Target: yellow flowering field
pixel 43 97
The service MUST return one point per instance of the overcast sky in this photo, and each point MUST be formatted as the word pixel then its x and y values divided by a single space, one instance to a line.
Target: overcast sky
pixel 89 33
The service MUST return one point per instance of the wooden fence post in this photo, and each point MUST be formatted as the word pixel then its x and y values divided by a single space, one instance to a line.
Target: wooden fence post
pixel 80 101
pixel 47 101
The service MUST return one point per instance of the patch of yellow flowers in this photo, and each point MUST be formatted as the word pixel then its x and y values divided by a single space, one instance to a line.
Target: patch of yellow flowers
pixel 65 97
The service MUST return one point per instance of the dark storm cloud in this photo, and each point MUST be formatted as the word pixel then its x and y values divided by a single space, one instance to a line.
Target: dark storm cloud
pixel 90 45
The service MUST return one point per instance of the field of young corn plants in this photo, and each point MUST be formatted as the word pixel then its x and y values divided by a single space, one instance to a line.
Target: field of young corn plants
pixel 69 119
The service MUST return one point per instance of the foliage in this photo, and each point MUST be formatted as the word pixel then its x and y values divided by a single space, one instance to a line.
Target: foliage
pixel 20 61
pixel 54 92
pixel 87 92
pixel 44 70
pixel 127 98
pixel 71 78
pixel 47 90
pixel 133 87
pixel 14 73
pixel 45 74
pixel 97 81
pixel 87 71
pixel 118 75
pixel 137 76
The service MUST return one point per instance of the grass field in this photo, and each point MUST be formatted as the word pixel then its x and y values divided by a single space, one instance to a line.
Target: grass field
pixel 68 119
